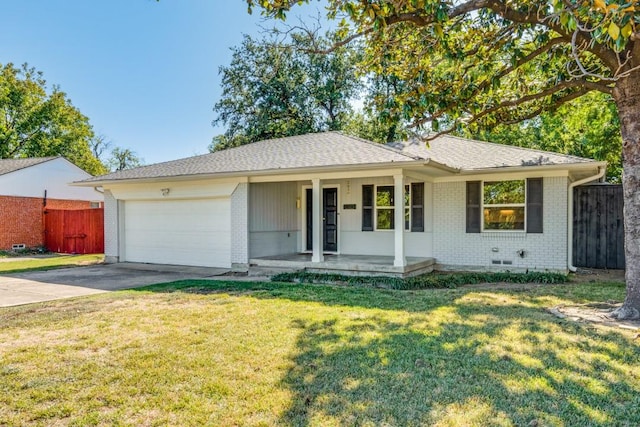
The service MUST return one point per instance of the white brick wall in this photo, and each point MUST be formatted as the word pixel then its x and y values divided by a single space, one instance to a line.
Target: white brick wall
pixel 453 247
pixel 110 227
pixel 240 225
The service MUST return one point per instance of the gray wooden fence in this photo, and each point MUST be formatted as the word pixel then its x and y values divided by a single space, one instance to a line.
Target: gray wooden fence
pixel 598 226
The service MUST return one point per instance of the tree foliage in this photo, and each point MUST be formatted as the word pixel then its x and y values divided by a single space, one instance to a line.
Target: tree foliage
pixel 35 122
pixel 123 158
pixel 275 89
pixel 586 127
pixel 487 61
pixel 478 63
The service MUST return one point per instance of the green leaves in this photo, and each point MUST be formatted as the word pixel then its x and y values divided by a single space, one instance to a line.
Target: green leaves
pixel 588 127
pixel 272 89
pixel 459 64
pixel 123 158
pixel 35 123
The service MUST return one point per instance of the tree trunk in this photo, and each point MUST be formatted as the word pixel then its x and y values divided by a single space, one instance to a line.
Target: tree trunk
pixel 627 97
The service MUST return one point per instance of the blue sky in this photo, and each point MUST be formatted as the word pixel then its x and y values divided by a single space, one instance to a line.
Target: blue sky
pixel 144 72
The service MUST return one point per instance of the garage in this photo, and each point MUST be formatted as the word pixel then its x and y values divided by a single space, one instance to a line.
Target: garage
pixel 192 232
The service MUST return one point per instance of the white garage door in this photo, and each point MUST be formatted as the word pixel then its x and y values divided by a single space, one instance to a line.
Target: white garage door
pixel 181 232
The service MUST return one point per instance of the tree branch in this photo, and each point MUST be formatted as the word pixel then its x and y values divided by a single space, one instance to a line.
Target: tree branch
pixel 605 55
pixel 533 97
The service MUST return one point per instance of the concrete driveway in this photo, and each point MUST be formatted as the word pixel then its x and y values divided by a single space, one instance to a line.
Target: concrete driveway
pixel 37 286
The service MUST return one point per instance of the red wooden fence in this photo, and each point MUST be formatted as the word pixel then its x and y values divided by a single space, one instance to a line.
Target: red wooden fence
pixel 74 232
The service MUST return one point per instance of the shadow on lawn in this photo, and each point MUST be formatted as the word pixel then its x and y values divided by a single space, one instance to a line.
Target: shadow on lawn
pixel 380 372
pixel 456 357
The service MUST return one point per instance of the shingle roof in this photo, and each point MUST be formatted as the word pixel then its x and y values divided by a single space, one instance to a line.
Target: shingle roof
pixel 12 165
pixel 336 149
pixel 304 151
pixel 468 154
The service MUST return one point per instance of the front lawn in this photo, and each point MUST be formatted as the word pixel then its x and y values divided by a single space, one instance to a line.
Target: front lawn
pixel 20 264
pixel 262 354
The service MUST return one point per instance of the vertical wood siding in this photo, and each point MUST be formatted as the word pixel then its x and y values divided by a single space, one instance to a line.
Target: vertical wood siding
pixel 272 207
pixel 598 227
pixel 273 219
pixel 75 231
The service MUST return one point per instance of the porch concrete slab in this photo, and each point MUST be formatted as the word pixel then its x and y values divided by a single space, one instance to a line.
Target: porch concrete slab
pixel 38 286
pixel 347 264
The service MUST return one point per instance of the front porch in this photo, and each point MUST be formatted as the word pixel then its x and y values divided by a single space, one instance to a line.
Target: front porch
pixel 358 265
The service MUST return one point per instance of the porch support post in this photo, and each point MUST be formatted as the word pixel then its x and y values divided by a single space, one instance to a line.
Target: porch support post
pixel 317 255
pixel 400 260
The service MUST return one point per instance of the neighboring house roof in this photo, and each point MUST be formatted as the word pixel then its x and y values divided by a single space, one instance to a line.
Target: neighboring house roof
pixel 336 149
pixel 12 165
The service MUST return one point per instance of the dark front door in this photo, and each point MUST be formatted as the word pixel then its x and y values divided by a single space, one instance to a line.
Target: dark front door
pixel 330 216
pixel 329 222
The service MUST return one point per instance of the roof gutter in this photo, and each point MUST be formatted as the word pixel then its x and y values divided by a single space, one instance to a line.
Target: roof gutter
pixel 600 174
pixel 555 166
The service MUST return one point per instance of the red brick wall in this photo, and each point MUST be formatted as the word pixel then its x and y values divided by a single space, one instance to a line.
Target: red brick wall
pixel 21 219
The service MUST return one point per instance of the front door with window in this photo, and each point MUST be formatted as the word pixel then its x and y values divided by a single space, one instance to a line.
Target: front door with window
pixel 329 219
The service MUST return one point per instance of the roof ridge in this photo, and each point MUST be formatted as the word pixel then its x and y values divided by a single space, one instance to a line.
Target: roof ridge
pixel 380 145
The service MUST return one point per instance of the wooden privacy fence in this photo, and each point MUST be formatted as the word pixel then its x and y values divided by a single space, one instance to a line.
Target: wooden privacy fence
pixel 74 232
pixel 598 226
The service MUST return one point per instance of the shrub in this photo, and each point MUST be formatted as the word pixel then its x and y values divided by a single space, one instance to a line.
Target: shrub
pixel 427 281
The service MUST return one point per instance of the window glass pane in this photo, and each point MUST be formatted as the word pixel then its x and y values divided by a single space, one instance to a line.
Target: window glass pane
pixel 407 219
pixel 384 196
pixel 504 192
pixel 505 218
pixel 384 219
pixel 407 195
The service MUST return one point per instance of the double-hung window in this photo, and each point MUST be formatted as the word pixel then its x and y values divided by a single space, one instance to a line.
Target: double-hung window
pixel 385 205
pixel 504 205
pixel 378 207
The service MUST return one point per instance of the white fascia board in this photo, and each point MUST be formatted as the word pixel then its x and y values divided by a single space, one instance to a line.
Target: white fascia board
pixel 172 190
pixel 238 178
pixel 278 174
pixel 521 172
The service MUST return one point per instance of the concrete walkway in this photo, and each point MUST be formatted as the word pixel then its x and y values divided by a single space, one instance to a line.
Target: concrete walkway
pixel 37 286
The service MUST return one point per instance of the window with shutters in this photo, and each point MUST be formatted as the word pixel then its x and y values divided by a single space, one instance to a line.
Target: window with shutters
pixel 515 205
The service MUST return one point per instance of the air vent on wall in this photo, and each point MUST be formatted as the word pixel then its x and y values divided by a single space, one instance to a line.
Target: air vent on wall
pixel 17 247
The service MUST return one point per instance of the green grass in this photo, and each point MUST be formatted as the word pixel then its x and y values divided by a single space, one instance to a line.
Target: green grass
pixel 263 354
pixel 49 263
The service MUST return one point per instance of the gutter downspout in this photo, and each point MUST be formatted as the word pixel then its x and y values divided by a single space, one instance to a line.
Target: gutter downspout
pixel 601 170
